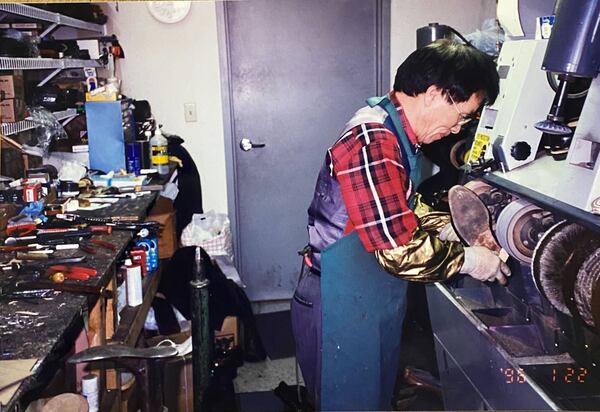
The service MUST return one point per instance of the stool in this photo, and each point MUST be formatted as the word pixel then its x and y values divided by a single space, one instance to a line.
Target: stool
pixel 142 362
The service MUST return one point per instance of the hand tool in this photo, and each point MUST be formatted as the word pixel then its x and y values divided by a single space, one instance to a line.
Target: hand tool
pixel 29 287
pixel 44 255
pixel 72 217
pixel 102 243
pixel 71 272
pixel 16 264
pixel 27 294
pixel 93 229
pixel 39 248
pixel 89 245
pixel 49 237
pixel 20 225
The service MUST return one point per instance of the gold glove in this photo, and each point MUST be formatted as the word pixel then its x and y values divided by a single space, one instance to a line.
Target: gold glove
pixel 425 258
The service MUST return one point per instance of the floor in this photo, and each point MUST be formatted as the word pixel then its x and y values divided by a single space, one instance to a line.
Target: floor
pixel 255 382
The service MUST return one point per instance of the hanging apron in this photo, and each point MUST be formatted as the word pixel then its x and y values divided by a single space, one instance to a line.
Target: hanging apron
pixel 363 309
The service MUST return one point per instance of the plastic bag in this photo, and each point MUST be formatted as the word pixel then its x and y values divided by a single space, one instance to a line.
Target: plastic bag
pixel 48 129
pixel 489 38
pixel 211 231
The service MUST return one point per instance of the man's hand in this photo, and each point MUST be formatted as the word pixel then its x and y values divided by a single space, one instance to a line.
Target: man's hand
pixel 483 264
pixel 448 233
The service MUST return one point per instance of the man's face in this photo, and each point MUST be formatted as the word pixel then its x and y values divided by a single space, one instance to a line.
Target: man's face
pixel 445 116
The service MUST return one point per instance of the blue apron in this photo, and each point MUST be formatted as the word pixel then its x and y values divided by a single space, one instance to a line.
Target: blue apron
pixel 363 309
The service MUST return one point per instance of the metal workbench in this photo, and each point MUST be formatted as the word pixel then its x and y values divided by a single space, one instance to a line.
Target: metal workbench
pixel 52 334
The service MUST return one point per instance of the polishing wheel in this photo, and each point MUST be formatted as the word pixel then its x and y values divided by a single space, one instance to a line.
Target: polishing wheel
pixel 494 199
pixel 587 288
pixel 556 261
pixel 478 186
pixel 520 226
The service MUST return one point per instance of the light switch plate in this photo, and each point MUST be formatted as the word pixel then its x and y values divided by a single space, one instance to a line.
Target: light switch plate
pixel 189 111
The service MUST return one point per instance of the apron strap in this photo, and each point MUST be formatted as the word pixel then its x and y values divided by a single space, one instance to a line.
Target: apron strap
pixel 413 157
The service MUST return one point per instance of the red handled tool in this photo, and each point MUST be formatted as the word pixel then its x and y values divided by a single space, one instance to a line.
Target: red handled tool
pixel 72 272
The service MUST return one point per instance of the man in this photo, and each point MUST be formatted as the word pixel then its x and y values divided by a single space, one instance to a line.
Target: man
pixel 365 196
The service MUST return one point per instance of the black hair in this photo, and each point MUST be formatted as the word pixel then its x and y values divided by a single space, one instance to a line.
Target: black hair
pixel 457 68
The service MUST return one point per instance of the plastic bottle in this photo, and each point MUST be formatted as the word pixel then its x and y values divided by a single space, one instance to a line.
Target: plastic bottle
pixel 90 390
pixel 160 154
pixel 133 283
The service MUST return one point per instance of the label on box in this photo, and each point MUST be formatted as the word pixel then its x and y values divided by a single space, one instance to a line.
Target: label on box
pixel 89 71
pixel 26 26
pixel 32 192
pixel 12 110
pixel 80 148
pixel 12 86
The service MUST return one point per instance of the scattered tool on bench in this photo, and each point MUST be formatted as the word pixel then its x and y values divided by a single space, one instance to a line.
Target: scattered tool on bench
pixel 58 273
pixel 89 246
pixel 44 289
pixel 15 265
pixel 39 248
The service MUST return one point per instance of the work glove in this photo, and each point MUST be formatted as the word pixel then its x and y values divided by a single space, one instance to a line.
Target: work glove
pixel 448 233
pixel 483 264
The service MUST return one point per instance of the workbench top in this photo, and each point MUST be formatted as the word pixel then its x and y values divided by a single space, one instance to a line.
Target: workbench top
pixel 45 329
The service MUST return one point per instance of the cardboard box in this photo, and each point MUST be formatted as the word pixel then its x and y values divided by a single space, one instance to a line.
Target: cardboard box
pixel 178 371
pixel 12 86
pixel 230 330
pixel 12 110
pixel 163 213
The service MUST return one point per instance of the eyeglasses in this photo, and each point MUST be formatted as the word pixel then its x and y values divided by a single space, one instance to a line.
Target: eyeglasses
pixel 464 118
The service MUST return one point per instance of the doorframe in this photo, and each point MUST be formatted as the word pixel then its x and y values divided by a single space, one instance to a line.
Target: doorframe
pixel 383 41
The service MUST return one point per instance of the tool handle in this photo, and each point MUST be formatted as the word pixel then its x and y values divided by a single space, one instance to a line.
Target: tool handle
pixel 68 287
pixel 31 256
pixel 56 230
pixel 14 248
pixel 45 237
pixel 101 229
pixel 103 243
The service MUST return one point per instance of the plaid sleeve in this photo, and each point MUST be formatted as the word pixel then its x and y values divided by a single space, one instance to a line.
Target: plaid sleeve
pixel 373 184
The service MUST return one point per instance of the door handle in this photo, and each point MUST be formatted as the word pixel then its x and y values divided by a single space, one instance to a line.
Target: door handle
pixel 247 145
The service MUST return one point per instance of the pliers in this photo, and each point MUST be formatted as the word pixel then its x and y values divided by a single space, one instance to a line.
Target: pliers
pixel 71 272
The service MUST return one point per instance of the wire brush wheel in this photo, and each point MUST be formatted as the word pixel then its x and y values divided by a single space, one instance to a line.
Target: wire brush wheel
pixel 587 282
pixel 557 259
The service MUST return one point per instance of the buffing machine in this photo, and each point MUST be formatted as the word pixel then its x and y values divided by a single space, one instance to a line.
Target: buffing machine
pixel 535 343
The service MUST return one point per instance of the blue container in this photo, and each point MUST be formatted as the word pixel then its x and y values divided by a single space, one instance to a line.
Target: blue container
pixel 133 156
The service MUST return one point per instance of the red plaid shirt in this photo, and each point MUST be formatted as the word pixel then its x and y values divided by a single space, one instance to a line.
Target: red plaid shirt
pixel 367 162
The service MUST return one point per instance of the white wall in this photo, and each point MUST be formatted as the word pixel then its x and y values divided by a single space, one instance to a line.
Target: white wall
pixel 172 64
pixel 465 16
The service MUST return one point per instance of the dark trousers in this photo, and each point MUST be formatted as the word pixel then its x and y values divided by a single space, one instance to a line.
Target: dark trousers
pixel 306 326
pixel 348 327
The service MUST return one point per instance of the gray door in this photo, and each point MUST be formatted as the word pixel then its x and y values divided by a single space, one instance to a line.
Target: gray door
pixel 293 73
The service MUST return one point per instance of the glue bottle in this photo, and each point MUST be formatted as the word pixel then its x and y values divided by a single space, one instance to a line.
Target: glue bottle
pixel 133 283
pixel 160 153
pixel 90 390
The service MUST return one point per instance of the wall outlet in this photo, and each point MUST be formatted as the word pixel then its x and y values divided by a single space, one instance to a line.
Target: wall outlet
pixel 189 112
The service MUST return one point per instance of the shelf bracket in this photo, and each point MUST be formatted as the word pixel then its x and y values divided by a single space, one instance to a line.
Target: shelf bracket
pixel 67 120
pixel 50 76
pixel 49 29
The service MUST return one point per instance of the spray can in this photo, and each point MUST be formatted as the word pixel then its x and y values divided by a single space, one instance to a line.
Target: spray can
pixel 133 283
